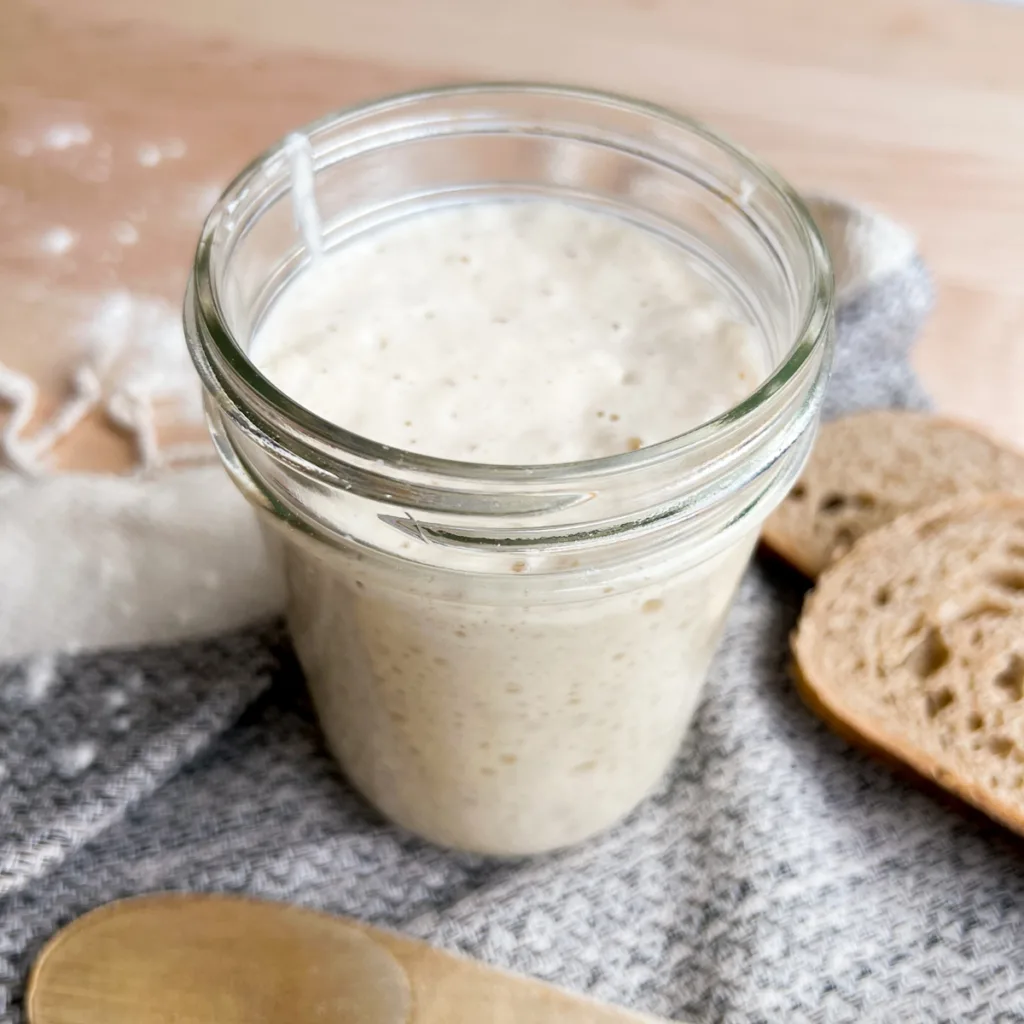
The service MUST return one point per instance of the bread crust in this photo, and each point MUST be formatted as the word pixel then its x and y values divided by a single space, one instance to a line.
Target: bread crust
pixel 795 548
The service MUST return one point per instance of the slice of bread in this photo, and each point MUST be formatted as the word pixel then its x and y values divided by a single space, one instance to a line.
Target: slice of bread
pixel 867 469
pixel 913 645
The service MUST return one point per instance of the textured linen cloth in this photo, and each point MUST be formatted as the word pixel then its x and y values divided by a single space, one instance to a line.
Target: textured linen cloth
pixel 775 875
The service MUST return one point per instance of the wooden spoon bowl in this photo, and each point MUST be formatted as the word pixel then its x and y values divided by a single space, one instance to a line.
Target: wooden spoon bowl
pixel 204 959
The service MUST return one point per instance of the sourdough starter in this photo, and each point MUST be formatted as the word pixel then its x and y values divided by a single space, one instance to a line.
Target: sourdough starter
pixel 473 709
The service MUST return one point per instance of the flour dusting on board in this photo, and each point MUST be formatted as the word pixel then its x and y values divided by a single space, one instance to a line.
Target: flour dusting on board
pixel 119 347
pixel 133 364
pixel 136 342
pixel 137 347
pixel 58 240
pixel 149 154
pixel 64 136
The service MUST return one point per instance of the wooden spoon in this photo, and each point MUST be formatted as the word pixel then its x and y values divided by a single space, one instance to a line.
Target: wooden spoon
pixel 201 959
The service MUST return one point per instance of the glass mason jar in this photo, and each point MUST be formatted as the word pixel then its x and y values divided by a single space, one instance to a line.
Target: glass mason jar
pixel 504 659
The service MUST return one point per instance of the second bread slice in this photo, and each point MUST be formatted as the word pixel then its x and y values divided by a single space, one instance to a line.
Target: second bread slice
pixel 867 469
pixel 913 644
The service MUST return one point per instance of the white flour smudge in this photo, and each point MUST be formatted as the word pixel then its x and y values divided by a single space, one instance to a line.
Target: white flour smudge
pixel 125 233
pixel 134 364
pixel 149 154
pixel 99 164
pixel 202 199
pixel 137 346
pixel 58 240
pixel 64 136
pixel 97 173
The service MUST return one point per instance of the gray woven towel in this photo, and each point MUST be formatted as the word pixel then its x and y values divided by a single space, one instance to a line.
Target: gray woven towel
pixel 776 875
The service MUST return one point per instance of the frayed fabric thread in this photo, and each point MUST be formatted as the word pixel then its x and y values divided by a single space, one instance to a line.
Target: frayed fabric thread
pixel 27 455
pixel 128 409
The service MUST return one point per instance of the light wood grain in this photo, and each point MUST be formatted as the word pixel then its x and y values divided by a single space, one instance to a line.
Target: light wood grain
pixel 202 959
pixel 914 106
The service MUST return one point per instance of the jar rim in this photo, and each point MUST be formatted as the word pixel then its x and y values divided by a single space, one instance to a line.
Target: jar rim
pixel 329 437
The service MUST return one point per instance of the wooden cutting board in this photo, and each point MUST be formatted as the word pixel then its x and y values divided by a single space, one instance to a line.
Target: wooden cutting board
pixel 121 119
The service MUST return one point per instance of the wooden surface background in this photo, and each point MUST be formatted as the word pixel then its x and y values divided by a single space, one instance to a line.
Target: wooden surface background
pixel 914 106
